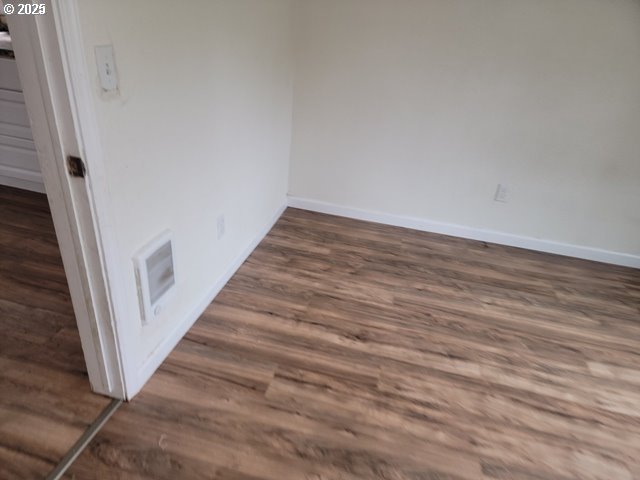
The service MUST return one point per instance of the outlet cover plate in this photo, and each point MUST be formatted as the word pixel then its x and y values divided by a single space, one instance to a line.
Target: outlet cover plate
pixel 502 194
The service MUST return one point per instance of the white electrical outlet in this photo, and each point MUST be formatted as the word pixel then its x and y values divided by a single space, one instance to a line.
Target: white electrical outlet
pixel 221 226
pixel 502 194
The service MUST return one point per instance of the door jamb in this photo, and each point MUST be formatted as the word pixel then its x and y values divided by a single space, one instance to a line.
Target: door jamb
pixel 52 69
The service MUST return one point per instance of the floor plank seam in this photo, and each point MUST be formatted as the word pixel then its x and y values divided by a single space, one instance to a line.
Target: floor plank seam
pixel 75 451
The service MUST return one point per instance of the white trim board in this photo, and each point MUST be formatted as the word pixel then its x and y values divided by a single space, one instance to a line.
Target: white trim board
pixel 21 178
pixel 169 343
pixel 40 43
pixel 490 236
pixel 90 205
pixel 21 173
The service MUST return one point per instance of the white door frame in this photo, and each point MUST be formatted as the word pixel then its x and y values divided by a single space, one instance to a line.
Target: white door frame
pixel 58 96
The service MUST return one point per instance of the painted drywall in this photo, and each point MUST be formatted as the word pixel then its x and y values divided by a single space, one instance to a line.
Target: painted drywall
pixel 200 127
pixel 420 108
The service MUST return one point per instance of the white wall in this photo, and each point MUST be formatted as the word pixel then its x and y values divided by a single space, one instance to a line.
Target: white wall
pixel 421 107
pixel 200 127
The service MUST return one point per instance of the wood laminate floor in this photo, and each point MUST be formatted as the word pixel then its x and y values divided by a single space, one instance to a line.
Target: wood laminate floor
pixel 45 398
pixel 348 350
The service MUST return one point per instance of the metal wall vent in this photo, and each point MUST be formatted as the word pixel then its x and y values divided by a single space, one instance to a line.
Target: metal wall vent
pixel 155 276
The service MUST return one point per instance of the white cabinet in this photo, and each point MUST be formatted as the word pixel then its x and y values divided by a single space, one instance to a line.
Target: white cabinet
pixel 19 165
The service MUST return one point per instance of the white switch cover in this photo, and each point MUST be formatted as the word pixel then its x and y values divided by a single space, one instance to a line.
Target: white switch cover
pixel 107 68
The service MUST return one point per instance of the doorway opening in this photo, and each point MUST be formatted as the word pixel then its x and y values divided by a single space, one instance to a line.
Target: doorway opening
pixel 59 360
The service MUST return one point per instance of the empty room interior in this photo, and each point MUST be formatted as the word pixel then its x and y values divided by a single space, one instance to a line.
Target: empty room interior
pixel 320 239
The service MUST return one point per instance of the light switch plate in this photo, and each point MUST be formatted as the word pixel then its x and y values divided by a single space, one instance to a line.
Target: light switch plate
pixel 107 68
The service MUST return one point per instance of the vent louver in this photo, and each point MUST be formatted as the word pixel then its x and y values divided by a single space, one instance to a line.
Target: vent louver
pixel 155 275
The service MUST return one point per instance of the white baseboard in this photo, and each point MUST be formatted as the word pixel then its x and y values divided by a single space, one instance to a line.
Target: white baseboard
pixel 20 178
pixel 491 236
pixel 170 342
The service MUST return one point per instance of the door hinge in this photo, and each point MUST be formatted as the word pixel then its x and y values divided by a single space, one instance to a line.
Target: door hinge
pixel 76 167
